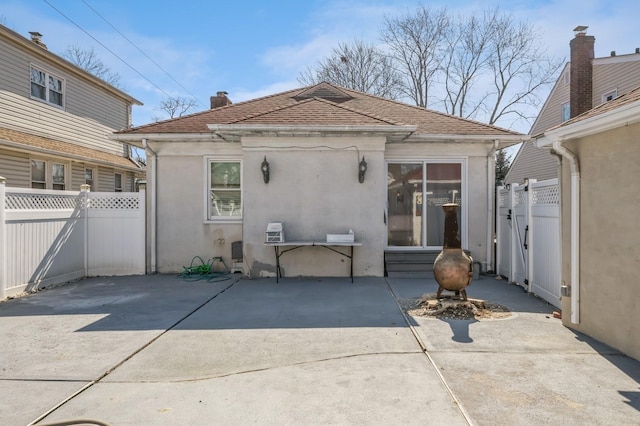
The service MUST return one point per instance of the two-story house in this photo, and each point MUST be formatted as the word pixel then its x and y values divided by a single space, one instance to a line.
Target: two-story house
pixel 585 83
pixel 55 119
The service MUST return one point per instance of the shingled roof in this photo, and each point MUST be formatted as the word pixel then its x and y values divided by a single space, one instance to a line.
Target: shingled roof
pixel 28 141
pixel 323 104
pixel 627 98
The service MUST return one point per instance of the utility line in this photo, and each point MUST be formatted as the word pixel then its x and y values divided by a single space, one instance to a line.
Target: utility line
pixel 110 51
pixel 140 50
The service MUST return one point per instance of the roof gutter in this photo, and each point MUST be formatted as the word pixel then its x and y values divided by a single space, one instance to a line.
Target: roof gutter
pixel 575 227
pixel 554 140
pixel 491 178
pixel 153 170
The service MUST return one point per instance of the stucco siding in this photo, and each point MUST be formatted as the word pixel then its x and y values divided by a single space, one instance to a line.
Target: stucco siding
pixel 15 166
pixel 314 193
pixel 182 231
pixel 610 255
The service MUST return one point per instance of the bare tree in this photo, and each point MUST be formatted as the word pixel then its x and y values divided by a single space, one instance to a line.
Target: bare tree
pixel 88 60
pixel 176 106
pixel 468 54
pixel 359 66
pixel 487 67
pixel 519 66
pixel 416 42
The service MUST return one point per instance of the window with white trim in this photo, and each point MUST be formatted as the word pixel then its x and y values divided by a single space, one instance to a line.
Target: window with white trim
pixel 48 175
pixel 610 96
pixel 47 87
pixel 566 112
pixel 88 177
pixel 117 187
pixel 38 174
pixel 224 189
pixel 58 176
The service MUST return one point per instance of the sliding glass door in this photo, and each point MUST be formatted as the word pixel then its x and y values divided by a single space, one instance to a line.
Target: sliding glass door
pixel 416 192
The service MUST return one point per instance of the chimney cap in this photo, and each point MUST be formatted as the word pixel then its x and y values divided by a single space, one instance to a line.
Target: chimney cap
pixel 35 34
pixel 580 29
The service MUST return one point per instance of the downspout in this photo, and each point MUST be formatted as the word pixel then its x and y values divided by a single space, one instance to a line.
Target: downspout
pixel 491 176
pixel 575 228
pixel 153 164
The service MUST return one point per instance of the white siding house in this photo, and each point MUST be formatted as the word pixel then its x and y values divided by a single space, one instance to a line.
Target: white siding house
pixel 54 122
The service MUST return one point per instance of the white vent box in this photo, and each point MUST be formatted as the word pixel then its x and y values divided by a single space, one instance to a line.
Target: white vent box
pixel 341 238
pixel 274 233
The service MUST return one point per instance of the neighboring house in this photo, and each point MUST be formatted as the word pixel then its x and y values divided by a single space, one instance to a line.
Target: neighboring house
pixel 55 119
pixel 207 189
pixel 585 82
pixel 600 152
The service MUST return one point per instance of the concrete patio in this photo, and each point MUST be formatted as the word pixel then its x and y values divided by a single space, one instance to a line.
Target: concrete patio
pixel 159 350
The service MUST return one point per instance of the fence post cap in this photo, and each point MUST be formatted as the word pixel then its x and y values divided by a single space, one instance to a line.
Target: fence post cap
pixel 142 187
pixel 85 187
pixel 3 179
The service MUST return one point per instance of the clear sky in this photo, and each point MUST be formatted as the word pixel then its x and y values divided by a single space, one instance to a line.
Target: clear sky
pixel 255 48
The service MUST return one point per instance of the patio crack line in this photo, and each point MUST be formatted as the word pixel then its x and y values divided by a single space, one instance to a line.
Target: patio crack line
pixel 456 401
pixel 257 370
pixel 134 353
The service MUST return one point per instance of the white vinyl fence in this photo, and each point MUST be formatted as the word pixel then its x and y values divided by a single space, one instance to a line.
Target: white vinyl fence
pixel 528 237
pixel 50 237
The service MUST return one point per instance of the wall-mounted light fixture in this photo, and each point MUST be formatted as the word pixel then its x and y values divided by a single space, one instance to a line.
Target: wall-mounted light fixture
pixel 264 167
pixel 526 184
pixel 362 168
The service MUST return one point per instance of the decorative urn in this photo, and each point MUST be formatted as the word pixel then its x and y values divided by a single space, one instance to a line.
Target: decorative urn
pixel 453 268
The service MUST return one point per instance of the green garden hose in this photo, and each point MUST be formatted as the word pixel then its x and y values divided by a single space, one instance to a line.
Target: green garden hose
pixel 199 270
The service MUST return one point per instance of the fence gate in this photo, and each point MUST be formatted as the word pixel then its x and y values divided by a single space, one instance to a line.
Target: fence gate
pixel 503 232
pixel 528 237
pixel 545 222
pixel 520 236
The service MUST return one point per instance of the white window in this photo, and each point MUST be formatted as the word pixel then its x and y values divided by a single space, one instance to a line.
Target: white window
pixel 566 112
pixel 38 174
pixel 118 182
pixel 88 177
pixel 58 176
pixel 610 96
pixel 224 189
pixel 48 175
pixel 47 87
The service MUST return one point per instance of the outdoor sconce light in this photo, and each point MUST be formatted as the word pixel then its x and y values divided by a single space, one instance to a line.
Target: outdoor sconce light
pixel 265 169
pixel 362 168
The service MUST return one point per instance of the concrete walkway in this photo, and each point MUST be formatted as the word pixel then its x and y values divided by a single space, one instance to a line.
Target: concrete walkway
pixel 162 351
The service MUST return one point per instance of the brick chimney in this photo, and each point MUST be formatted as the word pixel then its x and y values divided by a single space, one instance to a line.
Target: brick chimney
pixel 581 89
pixel 220 100
pixel 36 37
